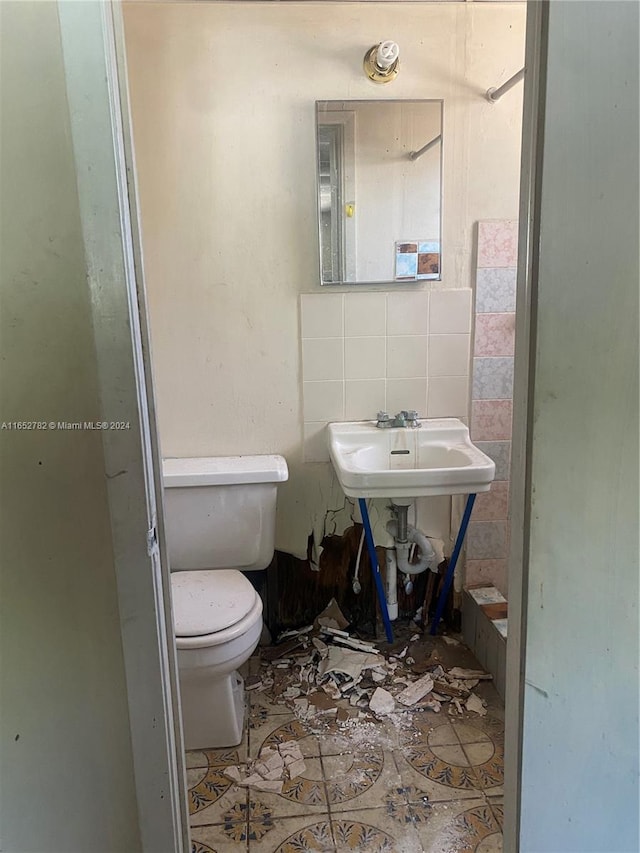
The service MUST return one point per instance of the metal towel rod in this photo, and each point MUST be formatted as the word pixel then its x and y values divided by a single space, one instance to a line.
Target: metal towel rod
pixel 413 155
pixel 494 94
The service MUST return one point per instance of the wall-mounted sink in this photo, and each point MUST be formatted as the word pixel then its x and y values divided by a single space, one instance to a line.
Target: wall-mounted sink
pixel 435 458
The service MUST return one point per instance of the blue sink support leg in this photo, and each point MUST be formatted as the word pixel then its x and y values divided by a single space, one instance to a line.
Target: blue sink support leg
pixel 375 568
pixel 452 565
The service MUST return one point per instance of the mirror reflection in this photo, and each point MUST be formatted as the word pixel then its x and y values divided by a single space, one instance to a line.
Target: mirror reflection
pixel 379 178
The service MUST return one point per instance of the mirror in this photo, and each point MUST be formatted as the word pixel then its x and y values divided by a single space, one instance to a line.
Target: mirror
pixel 379 178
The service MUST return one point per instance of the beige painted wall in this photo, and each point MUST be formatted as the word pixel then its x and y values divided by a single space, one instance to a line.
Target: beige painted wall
pixel 66 766
pixel 223 99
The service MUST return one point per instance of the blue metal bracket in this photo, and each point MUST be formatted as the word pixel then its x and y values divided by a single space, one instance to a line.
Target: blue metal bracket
pixel 452 565
pixel 375 569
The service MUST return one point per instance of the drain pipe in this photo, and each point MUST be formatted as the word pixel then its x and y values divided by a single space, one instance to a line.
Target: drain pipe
pixel 392 581
pixel 405 536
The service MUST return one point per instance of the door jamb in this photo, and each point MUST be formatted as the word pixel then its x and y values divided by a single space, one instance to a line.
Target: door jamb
pixel 524 375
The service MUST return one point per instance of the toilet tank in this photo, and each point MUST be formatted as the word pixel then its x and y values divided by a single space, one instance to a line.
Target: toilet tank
pixel 220 511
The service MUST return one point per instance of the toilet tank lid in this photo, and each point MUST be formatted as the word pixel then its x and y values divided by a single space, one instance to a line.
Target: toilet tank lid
pixel 223 470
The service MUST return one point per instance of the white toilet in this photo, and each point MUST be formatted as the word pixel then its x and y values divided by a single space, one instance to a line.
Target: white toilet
pixel 220 519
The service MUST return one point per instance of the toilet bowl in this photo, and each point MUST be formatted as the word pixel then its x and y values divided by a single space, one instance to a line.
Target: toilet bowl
pixel 218 621
pixel 220 521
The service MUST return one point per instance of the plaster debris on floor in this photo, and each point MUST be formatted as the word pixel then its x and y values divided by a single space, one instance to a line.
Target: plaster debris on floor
pixel 311 670
pixel 353 745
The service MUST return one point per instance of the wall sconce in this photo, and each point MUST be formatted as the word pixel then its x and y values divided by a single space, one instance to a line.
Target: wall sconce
pixel 381 62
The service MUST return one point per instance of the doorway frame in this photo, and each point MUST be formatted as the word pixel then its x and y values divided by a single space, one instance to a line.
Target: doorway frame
pixel 97 95
pixel 529 210
pixel 522 429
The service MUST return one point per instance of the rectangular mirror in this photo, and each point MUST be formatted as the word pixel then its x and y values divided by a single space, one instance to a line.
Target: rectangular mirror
pixel 379 177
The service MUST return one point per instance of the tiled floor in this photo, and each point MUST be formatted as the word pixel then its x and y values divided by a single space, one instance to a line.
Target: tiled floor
pixel 414 782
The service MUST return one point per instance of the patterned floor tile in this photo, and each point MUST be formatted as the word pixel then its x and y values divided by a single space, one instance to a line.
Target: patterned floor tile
pixel 218 757
pixel 222 838
pixel 408 805
pixel 260 701
pixel 277 729
pixel 304 795
pixel 474 729
pixel 460 827
pixel 361 780
pixel 497 807
pixel 355 734
pixel 426 727
pixel 311 834
pixel 421 769
pixel 413 782
pixel 374 831
pixel 487 760
pixel 211 796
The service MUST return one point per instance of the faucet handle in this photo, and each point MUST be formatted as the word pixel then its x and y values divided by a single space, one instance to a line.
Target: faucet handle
pixel 411 415
pixel 383 418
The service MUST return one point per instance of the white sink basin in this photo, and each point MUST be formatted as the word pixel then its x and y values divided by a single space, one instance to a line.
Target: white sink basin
pixel 436 458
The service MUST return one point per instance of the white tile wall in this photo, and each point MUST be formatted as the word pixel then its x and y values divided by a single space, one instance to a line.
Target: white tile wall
pixel 362 352
pixel 407 356
pixel 364 314
pixel 448 355
pixel 323 401
pixel 403 393
pixel 322 315
pixel 408 313
pixel 365 358
pixel 448 397
pixel 364 398
pixel 323 358
pixel 450 312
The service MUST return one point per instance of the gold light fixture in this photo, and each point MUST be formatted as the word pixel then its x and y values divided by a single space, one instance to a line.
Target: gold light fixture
pixel 381 62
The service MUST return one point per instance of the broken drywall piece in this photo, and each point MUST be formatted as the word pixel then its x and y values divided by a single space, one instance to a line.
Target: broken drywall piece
pixel 450 641
pixel 296 632
pixel 321 647
pixel 322 702
pixel 411 694
pixel 331 617
pixel 475 704
pixel 382 702
pixel 460 672
pixel 272 787
pixel 334 632
pixel 296 768
pixel 349 662
pixel 447 689
pixel 343 715
pixel 233 772
pixel 360 645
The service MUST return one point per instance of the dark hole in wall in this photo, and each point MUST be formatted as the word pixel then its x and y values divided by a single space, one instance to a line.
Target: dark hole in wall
pixel 294 594
pixel 297 593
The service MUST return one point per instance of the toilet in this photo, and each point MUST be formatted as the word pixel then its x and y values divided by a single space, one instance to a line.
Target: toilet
pixel 220 522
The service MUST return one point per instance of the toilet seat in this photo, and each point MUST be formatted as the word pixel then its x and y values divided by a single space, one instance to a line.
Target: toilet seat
pixel 212 607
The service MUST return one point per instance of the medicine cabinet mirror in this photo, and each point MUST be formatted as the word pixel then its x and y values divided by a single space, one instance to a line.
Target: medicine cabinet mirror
pixel 379 178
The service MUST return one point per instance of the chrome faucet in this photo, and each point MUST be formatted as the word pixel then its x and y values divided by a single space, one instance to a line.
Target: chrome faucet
pixel 402 419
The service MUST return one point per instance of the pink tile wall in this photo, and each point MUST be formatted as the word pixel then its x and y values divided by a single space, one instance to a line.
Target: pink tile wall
pixel 495 334
pixel 491 420
pixel 498 243
pixel 493 350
